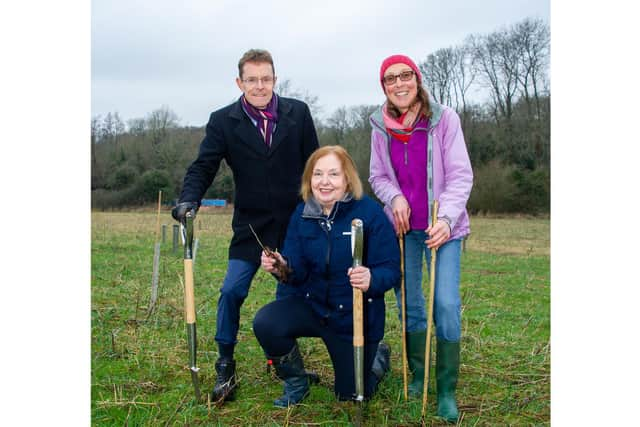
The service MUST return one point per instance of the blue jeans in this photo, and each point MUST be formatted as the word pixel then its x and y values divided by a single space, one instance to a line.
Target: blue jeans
pixel 235 289
pixel 446 305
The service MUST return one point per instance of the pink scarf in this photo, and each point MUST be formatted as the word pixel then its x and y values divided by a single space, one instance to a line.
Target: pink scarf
pixel 402 127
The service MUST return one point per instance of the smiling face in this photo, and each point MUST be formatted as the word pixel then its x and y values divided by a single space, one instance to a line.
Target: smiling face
pixel 401 94
pixel 257 93
pixel 328 182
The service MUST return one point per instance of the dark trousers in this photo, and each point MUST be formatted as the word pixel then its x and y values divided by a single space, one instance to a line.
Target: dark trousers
pixel 279 323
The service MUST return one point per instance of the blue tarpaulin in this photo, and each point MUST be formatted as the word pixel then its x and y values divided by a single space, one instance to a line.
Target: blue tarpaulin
pixel 214 202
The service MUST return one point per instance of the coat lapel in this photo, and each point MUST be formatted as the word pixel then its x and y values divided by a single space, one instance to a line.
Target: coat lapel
pixel 285 122
pixel 249 135
pixel 246 131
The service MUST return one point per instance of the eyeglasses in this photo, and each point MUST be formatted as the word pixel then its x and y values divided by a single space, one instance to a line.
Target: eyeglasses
pixel 253 81
pixel 405 76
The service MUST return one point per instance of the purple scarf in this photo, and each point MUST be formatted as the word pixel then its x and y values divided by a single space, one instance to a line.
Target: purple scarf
pixel 265 119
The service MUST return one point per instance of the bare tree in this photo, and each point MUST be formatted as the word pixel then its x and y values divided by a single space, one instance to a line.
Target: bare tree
pixel 159 122
pixel 339 125
pixel 437 71
pixel 95 135
pixel 532 37
pixel 285 88
pixel 497 59
pixel 137 126
pixel 463 76
pixel 112 128
pixel 358 139
pixel 95 129
pixel 360 115
pixel 107 128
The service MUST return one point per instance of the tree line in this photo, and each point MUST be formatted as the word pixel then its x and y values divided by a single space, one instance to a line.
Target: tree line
pixel 497 82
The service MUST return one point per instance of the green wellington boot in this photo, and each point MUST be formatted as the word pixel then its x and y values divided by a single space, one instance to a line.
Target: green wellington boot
pixel 416 342
pixel 447 367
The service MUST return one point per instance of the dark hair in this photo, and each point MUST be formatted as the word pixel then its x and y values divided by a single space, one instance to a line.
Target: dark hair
pixel 255 55
pixel 421 97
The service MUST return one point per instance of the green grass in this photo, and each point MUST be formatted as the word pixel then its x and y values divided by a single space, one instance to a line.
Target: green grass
pixel 139 373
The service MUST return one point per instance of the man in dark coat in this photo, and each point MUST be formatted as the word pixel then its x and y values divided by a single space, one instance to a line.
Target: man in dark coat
pixel 266 140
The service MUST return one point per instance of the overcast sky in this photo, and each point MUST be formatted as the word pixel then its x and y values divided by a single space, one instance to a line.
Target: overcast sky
pixel 184 55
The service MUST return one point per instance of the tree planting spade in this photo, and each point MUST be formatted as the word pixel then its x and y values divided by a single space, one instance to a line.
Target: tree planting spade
pixel 357 244
pixel 189 299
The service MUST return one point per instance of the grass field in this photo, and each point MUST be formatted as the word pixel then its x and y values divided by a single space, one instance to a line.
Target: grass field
pixel 139 373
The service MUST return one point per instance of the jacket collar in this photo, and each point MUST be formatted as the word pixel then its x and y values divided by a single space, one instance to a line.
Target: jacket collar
pixel 284 106
pixel 313 210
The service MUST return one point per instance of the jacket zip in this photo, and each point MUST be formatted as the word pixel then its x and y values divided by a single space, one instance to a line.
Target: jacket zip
pixel 329 223
pixel 429 135
pixel 326 224
pixel 327 231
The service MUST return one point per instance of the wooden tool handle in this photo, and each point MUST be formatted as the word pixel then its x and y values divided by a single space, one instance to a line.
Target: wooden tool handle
pixel 358 330
pixel 189 297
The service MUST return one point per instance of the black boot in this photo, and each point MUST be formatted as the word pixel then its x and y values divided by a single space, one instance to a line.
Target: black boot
pixel 290 369
pixel 381 362
pixel 314 378
pixel 226 385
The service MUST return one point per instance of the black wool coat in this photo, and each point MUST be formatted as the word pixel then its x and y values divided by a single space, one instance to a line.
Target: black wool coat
pixel 267 179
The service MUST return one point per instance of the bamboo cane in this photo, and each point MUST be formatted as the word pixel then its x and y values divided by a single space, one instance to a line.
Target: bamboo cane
pixel 432 290
pixel 404 318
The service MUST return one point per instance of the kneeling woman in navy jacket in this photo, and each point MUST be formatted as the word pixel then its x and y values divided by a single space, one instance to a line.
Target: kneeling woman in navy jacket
pixel 317 249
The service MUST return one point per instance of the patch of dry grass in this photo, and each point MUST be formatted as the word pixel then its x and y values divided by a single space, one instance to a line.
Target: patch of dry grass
pixel 510 236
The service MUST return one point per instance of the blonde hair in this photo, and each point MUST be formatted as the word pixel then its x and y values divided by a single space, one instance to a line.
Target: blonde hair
pixel 354 185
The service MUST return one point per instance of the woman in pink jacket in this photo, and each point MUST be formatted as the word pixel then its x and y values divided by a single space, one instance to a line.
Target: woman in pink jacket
pixel 418 155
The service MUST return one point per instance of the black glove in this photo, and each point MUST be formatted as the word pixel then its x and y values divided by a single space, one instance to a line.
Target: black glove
pixel 178 213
